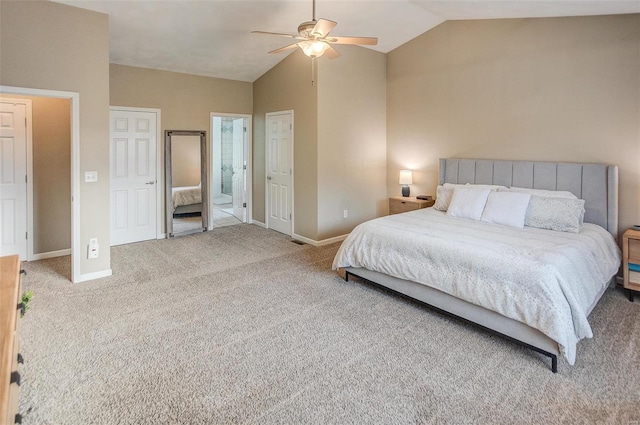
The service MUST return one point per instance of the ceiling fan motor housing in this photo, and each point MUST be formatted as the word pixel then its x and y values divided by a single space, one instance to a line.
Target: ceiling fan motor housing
pixel 305 29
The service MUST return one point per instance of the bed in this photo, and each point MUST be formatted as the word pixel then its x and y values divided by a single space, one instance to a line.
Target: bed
pixel 534 286
pixel 186 199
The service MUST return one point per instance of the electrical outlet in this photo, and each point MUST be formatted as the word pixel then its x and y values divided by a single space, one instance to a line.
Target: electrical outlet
pixel 345 213
pixel 93 251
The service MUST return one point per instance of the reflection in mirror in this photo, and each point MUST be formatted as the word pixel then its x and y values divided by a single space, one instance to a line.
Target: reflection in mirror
pixel 186 178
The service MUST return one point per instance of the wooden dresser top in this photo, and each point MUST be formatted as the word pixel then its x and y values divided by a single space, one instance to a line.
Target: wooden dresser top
pixel 9 287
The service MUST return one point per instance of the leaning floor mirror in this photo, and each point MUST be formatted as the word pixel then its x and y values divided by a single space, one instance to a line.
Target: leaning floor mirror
pixel 186 182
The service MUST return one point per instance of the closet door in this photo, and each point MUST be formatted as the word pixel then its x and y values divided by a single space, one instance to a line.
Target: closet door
pixel 280 171
pixel 13 183
pixel 133 151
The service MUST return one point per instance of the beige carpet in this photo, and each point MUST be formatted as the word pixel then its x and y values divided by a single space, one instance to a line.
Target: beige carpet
pixel 239 325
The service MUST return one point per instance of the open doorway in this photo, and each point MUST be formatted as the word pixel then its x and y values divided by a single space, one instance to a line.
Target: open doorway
pixel 230 169
pixel 52 220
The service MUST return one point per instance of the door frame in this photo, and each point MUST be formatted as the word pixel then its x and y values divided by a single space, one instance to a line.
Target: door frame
pixel 74 98
pixel 266 169
pixel 159 154
pixel 29 169
pixel 248 148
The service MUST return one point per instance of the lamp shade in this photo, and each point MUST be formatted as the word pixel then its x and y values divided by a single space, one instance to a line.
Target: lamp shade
pixel 406 177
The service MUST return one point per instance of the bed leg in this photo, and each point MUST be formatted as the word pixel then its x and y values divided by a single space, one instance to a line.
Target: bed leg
pixel 554 363
pixel 346 276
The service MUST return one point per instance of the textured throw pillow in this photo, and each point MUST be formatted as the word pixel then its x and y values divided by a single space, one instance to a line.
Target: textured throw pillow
pixel 506 208
pixel 468 203
pixel 542 192
pixel 444 193
pixel 561 214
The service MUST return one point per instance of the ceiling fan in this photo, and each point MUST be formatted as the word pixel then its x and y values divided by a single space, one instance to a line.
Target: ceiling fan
pixel 315 38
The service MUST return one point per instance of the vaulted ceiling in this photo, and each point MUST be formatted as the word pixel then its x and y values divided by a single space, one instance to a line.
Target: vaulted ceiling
pixel 213 37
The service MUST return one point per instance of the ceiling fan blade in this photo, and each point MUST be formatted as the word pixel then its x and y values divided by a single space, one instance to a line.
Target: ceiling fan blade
pixel 282 49
pixel 323 27
pixel 367 41
pixel 331 53
pixel 281 34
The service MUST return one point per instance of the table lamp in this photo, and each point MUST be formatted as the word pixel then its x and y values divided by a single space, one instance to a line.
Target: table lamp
pixel 406 178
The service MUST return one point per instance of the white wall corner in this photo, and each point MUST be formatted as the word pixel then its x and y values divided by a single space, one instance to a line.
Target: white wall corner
pixel 95 275
pixel 258 223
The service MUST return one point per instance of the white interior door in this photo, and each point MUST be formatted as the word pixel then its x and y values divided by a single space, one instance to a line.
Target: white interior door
pixel 279 171
pixel 133 153
pixel 13 184
pixel 238 178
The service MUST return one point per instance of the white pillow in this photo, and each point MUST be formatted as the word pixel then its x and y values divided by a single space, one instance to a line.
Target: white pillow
pixel 468 203
pixel 542 192
pixel 444 193
pixel 561 214
pixel 506 208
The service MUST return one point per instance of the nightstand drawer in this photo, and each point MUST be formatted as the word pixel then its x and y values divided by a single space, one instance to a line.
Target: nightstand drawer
pixel 634 249
pixel 401 204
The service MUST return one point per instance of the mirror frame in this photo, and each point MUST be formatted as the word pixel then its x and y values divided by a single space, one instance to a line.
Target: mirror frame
pixel 168 178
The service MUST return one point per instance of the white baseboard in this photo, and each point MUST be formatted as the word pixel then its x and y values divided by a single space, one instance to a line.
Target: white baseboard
pixel 51 254
pixel 320 243
pixel 94 275
pixel 162 236
pixel 307 240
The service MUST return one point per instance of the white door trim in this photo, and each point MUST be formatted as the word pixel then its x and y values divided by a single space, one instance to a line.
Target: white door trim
pixel 266 168
pixel 249 159
pixel 29 141
pixel 74 97
pixel 159 166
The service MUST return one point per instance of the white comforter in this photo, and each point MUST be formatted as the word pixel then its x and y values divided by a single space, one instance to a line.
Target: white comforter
pixel 186 195
pixel 545 279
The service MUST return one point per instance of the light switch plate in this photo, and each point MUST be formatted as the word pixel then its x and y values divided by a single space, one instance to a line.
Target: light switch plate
pixel 90 176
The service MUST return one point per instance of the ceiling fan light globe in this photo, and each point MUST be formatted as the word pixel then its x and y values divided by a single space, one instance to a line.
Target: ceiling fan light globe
pixel 314 48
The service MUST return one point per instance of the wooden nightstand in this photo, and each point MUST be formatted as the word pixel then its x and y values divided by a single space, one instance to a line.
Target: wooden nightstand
pixel 631 261
pixel 400 204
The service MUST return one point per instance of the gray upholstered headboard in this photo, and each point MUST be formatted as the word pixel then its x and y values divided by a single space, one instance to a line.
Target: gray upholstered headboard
pixel 597 184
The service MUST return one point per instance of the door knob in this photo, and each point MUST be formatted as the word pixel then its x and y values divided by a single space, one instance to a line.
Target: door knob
pixel 268 177
pixel 151 182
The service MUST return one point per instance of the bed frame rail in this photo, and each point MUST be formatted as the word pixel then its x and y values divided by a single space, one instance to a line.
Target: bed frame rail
pixel 475 315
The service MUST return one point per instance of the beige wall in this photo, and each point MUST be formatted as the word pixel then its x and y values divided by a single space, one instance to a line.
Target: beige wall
pixel 51 46
pixel 287 86
pixel 352 167
pixel 557 89
pixel 186 101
